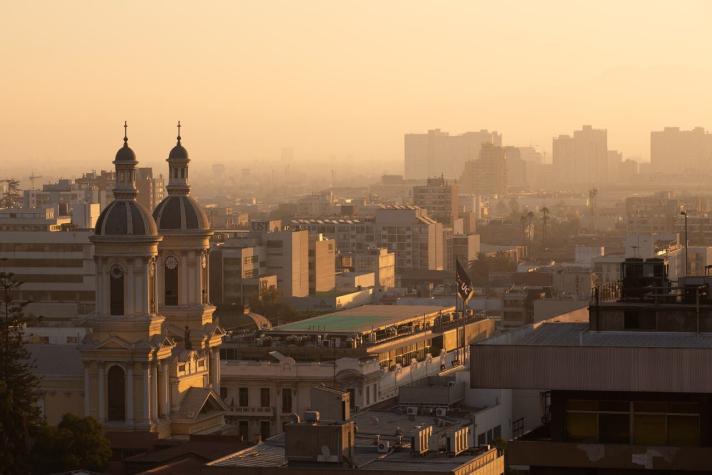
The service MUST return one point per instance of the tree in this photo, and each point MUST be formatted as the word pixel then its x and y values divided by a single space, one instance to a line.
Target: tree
pixel 12 197
pixel 20 418
pixel 76 443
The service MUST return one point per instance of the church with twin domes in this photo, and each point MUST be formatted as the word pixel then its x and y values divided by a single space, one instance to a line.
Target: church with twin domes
pixel 150 358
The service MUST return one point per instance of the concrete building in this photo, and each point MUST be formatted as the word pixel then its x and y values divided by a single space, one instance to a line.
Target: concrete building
pixel 56 268
pixel 369 351
pixel 516 168
pixel 582 158
pixel 486 175
pixel 287 257
pixel 463 248
pixel 647 393
pixel 675 151
pixel 657 213
pixel 407 231
pixel 150 188
pixel 438 153
pixel 440 199
pixel 32 219
pixel 238 273
pixel 381 262
pixel 322 264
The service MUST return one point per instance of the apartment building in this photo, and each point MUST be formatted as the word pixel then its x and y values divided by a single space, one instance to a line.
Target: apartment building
pixel 440 198
pixel 407 231
pixel 438 153
pixel 581 158
pixel 322 264
pixel 488 174
pixel 56 267
pixel 678 151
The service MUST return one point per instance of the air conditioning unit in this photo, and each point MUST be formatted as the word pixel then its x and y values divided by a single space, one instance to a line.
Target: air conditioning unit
pixel 411 410
pixel 311 416
pixel 384 446
pixel 441 411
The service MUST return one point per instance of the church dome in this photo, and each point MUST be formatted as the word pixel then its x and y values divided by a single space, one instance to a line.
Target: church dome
pixel 125 218
pixel 178 152
pixel 125 154
pixel 180 213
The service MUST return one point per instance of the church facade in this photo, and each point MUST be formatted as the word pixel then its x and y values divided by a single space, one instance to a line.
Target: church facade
pixel 150 360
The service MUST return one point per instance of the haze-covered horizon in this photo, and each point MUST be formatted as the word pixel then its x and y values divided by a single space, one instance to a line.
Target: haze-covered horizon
pixel 340 81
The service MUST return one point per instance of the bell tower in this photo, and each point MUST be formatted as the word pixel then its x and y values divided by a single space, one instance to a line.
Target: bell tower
pixel 182 265
pixel 125 354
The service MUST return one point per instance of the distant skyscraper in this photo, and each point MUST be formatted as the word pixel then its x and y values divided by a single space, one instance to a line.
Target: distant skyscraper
pixel 488 175
pixel 675 151
pixel 583 157
pixel 439 153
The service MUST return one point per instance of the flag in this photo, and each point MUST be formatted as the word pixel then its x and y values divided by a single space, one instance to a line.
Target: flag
pixel 464 284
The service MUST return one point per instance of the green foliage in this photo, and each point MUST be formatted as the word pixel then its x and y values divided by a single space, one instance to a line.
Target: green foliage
pixel 20 418
pixel 484 265
pixel 76 443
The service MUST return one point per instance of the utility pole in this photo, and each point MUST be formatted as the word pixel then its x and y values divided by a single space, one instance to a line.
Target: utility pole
pixel 684 213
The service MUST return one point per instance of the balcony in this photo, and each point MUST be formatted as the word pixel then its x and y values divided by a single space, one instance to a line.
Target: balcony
pixel 538 450
pixel 250 411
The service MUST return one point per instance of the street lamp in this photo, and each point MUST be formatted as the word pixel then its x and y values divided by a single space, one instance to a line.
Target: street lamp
pixel 684 213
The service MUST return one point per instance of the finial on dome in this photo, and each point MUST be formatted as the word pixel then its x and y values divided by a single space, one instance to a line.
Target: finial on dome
pixel 126 138
pixel 179 131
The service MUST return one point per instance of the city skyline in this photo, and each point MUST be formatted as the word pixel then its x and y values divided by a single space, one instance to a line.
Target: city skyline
pixel 254 82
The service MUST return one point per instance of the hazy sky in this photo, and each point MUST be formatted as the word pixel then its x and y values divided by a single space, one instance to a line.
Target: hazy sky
pixel 341 77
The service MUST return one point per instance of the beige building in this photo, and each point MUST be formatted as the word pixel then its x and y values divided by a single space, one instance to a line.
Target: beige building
pixel 56 268
pixel 381 262
pixel 149 363
pixel 322 264
pixel 438 153
pixel 440 198
pixel 287 256
pixel 675 151
pixel 488 174
pixel 582 158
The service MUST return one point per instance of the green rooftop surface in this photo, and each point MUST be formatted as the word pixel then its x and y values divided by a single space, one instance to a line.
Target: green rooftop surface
pixel 361 319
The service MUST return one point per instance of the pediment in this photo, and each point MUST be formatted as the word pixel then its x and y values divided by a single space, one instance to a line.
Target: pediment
pixel 114 343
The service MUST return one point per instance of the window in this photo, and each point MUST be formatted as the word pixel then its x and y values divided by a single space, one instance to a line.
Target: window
pixel 223 392
pixel 243 396
pixel 264 397
pixel 497 433
pixel 244 429
pixel 117 394
pixel 286 400
pixel 264 430
pixel 171 281
pixel 116 291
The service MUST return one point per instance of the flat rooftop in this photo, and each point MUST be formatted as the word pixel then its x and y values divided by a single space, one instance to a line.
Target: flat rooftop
pixel 578 334
pixel 362 319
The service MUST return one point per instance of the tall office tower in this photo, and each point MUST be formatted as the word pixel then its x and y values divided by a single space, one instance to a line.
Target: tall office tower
pixel 488 175
pixel 440 198
pixel 676 151
pixel 438 153
pixel 582 158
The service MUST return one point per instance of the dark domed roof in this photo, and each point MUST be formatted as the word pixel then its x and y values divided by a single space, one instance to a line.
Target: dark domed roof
pixel 178 153
pixel 125 218
pixel 180 213
pixel 125 154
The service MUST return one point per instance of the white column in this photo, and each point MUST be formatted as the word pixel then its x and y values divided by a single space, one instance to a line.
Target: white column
pixel 102 393
pixel 146 391
pixel 130 394
pixel 166 391
pixel 154 391
pixel 87 392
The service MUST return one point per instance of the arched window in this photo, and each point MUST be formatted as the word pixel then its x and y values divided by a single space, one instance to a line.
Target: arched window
pixel 116 291
pixel 117 394
pixel 152 286
pixel 171 281
pixel 204 277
